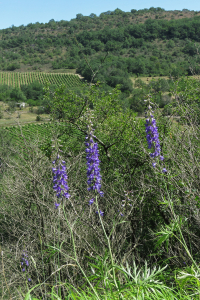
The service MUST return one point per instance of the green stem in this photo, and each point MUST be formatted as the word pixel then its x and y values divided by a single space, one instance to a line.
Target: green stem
pixel 42 261
pixel 74 247
pixel 108 240
pixel 59 291
pixel 55 257
pixel 175 217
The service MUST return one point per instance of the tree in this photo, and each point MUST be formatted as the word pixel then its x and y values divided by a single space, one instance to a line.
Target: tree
pixel 133 11
pixel 109 12
pixel 33 91
pixel 92 15
pixel 190 49
pixel 17 95
pixel 118 11
pixel 13 66
pixel 79 16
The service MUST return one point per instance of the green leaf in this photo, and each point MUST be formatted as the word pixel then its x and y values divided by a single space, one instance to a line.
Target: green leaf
pixel 28 295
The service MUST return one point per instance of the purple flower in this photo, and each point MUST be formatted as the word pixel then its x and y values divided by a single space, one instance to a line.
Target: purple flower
pixel 93 170
pixel 153 138
pixel 60 180
pixel 91 201
pixel 25 262
pixel 100 212
pixel 56 205
pixel 164 170
pixel 92 162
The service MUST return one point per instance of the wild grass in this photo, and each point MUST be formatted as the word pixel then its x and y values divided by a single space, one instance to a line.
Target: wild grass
pixel 147 79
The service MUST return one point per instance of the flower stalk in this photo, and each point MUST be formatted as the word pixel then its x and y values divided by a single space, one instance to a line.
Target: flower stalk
pixel 25 263
pixel 92 158
pixel 152 137
pixel 60 180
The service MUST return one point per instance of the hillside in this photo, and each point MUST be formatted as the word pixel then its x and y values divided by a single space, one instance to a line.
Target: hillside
pixel 148 42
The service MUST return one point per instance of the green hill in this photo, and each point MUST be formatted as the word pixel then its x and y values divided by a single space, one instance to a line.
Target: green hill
pixel 148 42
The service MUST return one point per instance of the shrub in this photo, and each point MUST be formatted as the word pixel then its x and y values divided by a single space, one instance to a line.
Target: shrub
pixel 38 118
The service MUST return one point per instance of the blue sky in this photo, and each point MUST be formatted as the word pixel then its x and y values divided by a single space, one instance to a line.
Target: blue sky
pixel 18 12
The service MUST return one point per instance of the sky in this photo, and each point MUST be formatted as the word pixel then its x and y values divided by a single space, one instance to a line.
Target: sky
pixel 23 12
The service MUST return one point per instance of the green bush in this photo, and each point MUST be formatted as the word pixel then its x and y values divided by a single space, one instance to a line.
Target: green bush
pixel 38 118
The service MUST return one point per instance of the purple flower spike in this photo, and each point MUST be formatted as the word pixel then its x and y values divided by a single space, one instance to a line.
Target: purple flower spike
pixel 25 263
pixel 92 162
pixel 60 180
pixel 93 170
pixel 153 137
pixel 29 279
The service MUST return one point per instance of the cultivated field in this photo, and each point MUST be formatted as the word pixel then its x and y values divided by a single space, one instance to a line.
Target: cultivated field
pixel 16 79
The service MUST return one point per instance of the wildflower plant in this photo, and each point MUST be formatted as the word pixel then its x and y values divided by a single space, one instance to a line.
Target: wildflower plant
pixel 60 180
pixel 92 158
pixel 25 263
pixel 152 137
pixel 61 188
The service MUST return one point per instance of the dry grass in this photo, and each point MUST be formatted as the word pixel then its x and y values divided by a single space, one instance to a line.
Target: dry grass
pixel 164 15
pixel 148 79
pixel 23 116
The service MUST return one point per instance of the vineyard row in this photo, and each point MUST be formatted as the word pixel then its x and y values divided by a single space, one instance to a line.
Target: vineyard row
pixel 16 79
